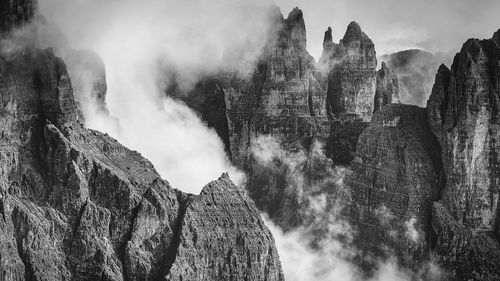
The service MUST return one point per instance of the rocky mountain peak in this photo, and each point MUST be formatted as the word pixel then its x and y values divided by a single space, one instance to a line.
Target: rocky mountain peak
pixel 354 34
pixel 328 39
pixel 496 37
pixel 351 68
pixel 463 111
pixel 296 15
pixel 77 205
pixel 296 26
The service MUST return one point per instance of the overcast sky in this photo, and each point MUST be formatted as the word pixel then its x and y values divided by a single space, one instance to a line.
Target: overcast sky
pixel 393 25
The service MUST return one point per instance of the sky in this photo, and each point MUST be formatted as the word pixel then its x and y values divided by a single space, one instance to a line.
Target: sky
pixel 395 25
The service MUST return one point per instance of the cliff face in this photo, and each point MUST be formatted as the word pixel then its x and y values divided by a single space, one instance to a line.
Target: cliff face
pixel 221 245
pixel 394 179
pixel 16 13
pixel 463 113
pixel 289 97
pixel 292 98
pixel 283 96
pixel 351 67
pixel 85 67
pixel 77 205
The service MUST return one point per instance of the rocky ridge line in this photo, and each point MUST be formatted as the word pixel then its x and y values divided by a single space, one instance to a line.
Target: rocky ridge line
pixel 77 205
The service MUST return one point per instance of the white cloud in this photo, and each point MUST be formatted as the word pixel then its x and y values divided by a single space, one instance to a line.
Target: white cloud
pixel 139 41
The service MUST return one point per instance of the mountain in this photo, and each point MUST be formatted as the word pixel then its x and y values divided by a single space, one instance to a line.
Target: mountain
pixel 77 205
pixel 351 67
pixel 421 183
pixel 394 179
pixel 417 184
pixel 295 100
pixel 424 181
pixel 463 114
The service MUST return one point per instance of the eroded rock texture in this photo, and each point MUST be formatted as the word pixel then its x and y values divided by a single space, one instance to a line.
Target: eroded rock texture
pixel 283 97
pixel 289 97
pixel 351 67
pixel 214 247
pixel 85 67
pixel 16 13
pixel 77 205
pixel 394 179
pixel 355 90
pixel 463 113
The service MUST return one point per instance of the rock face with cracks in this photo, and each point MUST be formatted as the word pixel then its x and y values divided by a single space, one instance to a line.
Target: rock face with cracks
pixel 463 111
pixel 394 179
pixel 351 68
pixel 77 205
pixel 289 97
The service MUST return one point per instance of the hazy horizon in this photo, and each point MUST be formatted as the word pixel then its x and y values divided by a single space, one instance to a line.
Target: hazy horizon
pixel 434 26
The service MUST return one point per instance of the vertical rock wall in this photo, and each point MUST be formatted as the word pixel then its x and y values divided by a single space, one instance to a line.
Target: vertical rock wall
pixel 463 111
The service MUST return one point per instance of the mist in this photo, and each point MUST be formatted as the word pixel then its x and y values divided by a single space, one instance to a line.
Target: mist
pixel 395 25
pixel 322 249
pixel 140 42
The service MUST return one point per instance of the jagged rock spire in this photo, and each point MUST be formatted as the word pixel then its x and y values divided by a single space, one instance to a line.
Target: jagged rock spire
pixel 496 37
pixel 295 23
pixel 463 111
pixel 354 33
pixel 328 39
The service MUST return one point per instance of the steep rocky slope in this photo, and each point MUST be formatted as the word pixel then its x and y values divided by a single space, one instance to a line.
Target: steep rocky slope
pixel 283 97
pixel 291 98
pixel 394 179
pixel 351 66
pixel 77 205
pixel 426 181
pixel 463 113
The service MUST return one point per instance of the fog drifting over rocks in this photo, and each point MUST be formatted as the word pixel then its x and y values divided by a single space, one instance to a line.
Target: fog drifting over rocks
pixel 139 42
